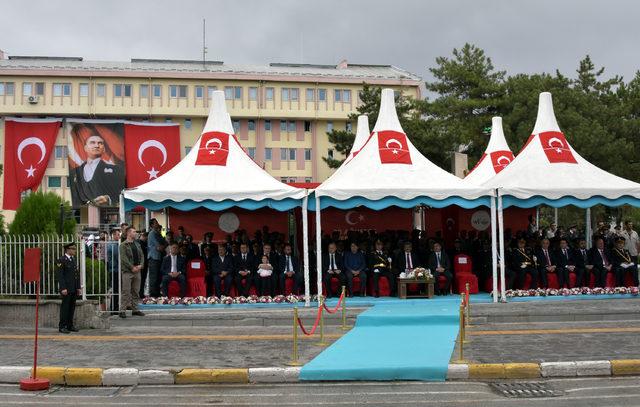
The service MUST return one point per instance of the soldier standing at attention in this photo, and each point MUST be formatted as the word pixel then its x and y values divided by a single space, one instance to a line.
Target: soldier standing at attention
pixel 69 287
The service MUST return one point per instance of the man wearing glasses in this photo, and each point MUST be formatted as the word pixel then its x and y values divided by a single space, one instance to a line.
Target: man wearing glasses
pixel 69 287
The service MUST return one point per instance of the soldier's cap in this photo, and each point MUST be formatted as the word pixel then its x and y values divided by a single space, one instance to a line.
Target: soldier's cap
pixel 69 245
pixel 620 239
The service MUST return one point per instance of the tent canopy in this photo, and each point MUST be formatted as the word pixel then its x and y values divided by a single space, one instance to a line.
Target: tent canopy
pixel 495 158
pixel 362 135
pixel 389 170
pixel 549 171
pixel 216 174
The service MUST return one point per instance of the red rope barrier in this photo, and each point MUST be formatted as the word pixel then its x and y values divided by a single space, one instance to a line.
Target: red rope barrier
pixel 337 305
pixel 315 324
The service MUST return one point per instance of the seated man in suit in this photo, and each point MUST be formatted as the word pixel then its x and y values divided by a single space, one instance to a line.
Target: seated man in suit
pixel 520 262
pixel 355 266
pixel 222 270
pixel 440 265
pixel 546 262
pixel 623 263
pixel 566 263
pixel 244 270
pixel 380 266
pixel 583 264
pixel 601 263
pixel 406 260
pixel 332 267
pixel 174 268
pixel 290 269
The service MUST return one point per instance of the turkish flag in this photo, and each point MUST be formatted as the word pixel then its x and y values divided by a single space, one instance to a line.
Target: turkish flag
pixel 150 151
pixel 213 149
pixel 556 148
pixel 28 146
pixel 500 159
pixel 393 147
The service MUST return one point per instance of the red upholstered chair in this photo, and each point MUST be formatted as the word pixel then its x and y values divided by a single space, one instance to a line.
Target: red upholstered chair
pixel 611 280
pixel 356 284
pixel 289 284
pixel 462 269
pixel 592 280
pixel 628 280
pixel 572 280
pixel 442 282
pixel 384 287
pixel 552 281
pixel 527 282
pixel 173 290
pixel 196 285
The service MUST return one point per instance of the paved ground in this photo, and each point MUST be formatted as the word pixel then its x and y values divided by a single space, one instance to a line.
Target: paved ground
pixel 619 391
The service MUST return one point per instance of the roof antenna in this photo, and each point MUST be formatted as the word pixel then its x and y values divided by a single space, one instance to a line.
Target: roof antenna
pixel 204 43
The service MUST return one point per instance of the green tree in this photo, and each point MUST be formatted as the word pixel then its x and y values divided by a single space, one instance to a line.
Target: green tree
pixel 39 213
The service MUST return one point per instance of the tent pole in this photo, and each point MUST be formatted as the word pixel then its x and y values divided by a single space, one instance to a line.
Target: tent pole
pixel 122 212
pixel 587 229
pixel 305 247
pixel 494 250
pixel 501 237
pixel 538 217
pixel 147 217
pixel 318 246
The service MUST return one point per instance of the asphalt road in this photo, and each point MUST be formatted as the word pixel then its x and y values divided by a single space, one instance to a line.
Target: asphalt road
pixel 611 391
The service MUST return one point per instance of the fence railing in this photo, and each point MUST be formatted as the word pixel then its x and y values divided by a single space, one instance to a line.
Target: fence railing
pixel 98 265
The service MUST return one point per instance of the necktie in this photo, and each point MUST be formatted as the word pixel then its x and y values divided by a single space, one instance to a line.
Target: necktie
pixel 287 269
pixel 565 253
pixel 546 254
pixel 438 257
pixel 604 258
pixel 333 263
pixel 408 261
pixel 244 257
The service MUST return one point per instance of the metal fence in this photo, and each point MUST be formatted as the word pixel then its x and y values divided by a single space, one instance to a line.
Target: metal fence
pixel 98 265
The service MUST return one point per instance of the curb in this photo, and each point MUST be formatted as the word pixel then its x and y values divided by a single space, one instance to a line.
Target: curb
pixel 490 371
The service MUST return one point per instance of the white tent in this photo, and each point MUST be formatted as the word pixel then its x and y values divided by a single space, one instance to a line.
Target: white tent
pixel 362 135
pixel 495 158
pixel 218 174
pixel 549 171
pixel 390 171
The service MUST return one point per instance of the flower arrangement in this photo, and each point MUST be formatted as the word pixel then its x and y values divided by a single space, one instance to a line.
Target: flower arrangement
pixel 551 292
pixel 252 299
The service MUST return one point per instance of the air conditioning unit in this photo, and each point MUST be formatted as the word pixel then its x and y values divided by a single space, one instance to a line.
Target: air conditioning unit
pixel 33 99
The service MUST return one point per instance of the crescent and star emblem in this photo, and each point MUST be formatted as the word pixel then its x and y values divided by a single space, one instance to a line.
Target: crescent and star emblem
pixel 27 142
pixel 556 140
pixel 215 141
pixel 153 173
pixel 503 160
pixel 349 220
pixel 393 141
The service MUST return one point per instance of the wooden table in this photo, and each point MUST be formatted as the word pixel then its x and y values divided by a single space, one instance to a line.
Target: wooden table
pixel 402 287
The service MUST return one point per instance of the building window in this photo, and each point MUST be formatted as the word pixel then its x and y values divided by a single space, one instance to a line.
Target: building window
pixel 267 153
pixel 187 123
pixel 236 125
pixel 308 180
pixel 199 92
pixel 187 150
pixel 330 153
pixel 231 92
pixel 290 94
pixel 27 88
pixel 60 152
pixel 311 95
pixel 157 91
pixel 307 154
pixel 251 152
pixel 120 90
pixel 329 127
pixel 307 125
pixel 291 126
pixel 348 126
pixel 292 154
pixel 167 120
pixel 283 125
pixel 210 90
pixel 144 91
pixel 285 94
pixel 284 179
pixel 54 182
pixel 322 95
pixel 295 94
pixel 61 89
pixel 238 92
pixel 283 154
pixel 252 125
pixel 101 90
pixel 68 182
pixel 178 91
pixel 337 95
pixel 84 90
pixel 268 94
pixel 346 96
pixel 253 93
pixel 267 125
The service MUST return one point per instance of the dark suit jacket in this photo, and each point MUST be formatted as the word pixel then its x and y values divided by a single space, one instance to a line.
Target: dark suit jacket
pixel 282 264
pixel 248 264
pixel 542 260
pixel 563 261
pixel 338 261
pixel 444 262
pixel 582 261
pixel 67 274
pixel 400 263
pixel 597 260
pixel 375 260
pixel 218 266
pixel 181 265
pixel 107 180
pixel 619 257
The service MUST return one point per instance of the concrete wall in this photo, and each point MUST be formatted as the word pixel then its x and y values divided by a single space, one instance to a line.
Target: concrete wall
pixel 21 314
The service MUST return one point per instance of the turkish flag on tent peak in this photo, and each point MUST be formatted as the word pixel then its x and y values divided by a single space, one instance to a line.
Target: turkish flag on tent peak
pixel 500 159
pixel 213 149
pixel 556 147
pixel 393 147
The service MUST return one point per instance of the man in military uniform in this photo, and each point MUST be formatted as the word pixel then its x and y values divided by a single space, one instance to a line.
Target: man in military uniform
pixel 380 266
pixel 623 263
pixel 521 262
pixel 131 264
pixel 69 287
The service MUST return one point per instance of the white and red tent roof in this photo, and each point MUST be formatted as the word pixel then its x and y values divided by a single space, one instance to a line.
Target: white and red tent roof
pixel 362 135
pixel 549 171
pixel 216 174
pixel 495 158
pixel 389 170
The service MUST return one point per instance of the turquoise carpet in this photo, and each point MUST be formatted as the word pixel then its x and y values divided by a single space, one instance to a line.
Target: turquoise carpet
pixel 399 340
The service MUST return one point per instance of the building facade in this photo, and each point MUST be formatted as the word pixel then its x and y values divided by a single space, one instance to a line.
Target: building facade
pixel 281 112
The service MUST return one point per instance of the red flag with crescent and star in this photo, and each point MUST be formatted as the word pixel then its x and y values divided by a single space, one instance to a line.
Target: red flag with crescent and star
pixel 500 159
pixel 556 148
pixel 28 146
pixel 393 147
pixel 150 151
pixel 214 149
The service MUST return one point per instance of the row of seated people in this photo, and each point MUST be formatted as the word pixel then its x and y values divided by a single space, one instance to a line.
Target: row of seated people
pixel 569 266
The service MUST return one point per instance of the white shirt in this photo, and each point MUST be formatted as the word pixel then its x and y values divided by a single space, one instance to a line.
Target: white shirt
pixel 289 266
pixel 90 168
pixel 174 263
pixel 631 241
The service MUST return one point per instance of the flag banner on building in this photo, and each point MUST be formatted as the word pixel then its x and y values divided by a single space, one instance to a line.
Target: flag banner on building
pixel 28 147
pixel 96 161
pixel 150 151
